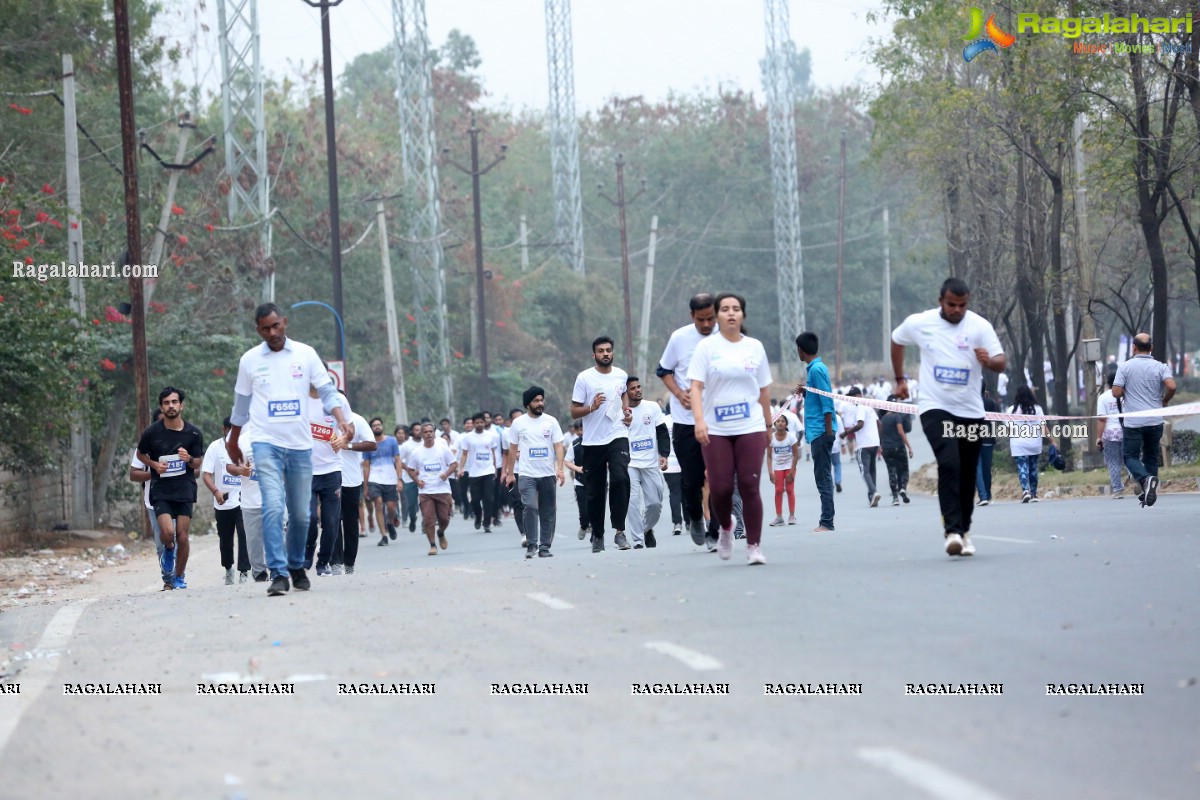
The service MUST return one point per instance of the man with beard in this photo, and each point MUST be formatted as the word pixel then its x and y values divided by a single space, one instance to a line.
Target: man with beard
pixel 382 492
pixel 599 399
pixel 536 439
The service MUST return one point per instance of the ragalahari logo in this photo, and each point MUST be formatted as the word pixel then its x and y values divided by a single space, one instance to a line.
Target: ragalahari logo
pixel 994 36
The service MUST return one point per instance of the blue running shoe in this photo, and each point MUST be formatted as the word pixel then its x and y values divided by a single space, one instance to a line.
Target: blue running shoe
pixel 179 582
pixel 167 561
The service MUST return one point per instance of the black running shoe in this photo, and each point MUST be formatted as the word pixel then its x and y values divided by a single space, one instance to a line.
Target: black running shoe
pixel 650 540
pixel 300 580
pixel 278 586
pixel 412 525
pixel 1151 490
pixel 597 544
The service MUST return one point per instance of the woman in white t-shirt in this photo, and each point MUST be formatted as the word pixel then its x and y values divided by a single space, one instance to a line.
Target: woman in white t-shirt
pixel 1026 450
pixel 730 377
pixel 782 454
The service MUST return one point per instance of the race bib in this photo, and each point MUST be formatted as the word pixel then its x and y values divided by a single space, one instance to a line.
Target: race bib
pixel 484 457
pixel 782 451
pixel 952 376
pixel 175 466
pixel 431 468
pixel 283 410
pixel 539 452
pixel 321 432
pixel 641 445
pixel 230 480
pixel 732 412
pixel 253 475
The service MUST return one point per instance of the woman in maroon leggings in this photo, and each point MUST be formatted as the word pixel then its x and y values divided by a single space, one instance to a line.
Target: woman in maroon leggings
pixel 730 400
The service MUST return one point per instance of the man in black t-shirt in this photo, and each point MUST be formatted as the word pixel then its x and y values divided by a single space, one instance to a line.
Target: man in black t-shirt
pixel 173 450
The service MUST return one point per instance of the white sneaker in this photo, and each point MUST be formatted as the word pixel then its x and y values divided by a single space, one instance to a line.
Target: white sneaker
pixel 792 520
pixel 875 499
pixel 754 555
pixel 954 544
pixel 335 569
pixel 1034 499
pixel 229 577
pixel 985 502
pixel 775 523
pixel 1025 498
pixel 968 547
pixel 725 545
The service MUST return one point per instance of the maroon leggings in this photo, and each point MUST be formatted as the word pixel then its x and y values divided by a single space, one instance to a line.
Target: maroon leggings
pixel 741 455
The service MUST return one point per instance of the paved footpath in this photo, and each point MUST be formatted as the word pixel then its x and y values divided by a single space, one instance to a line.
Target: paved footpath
pixel 1088 591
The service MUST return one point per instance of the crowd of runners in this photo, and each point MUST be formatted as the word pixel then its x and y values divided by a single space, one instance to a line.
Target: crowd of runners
pixel 298 477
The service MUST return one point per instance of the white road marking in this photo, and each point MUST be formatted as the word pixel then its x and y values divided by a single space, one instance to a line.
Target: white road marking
pixel 35 676
pixel 925 776
pixel 305 678
pixel 553 602
pixel 1003 539
pixel 695 660
pixel 469 569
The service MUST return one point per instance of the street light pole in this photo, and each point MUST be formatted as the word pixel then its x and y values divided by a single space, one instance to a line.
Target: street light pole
pixel 335 239
pixel 841 242
pixel 620 203
pixel 476 204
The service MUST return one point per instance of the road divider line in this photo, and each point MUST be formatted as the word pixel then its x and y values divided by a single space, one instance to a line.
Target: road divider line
pixel 925 776
pixel 552 602
pixel 469 570
pixel 697 661
pixel 35 676
pixel 1003 539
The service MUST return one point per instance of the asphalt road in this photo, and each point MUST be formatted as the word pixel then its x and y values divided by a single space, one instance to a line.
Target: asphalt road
pixel 1071 591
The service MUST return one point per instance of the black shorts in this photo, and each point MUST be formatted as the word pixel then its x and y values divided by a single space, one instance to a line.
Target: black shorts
pixel 386 491
pixel 172 508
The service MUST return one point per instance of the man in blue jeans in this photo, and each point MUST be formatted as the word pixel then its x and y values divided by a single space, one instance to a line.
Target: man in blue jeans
pixel 1143 384
pixel 272 392
pixel 818 425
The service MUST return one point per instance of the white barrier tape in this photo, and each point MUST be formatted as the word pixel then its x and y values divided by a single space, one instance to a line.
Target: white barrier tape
pixel 1185 410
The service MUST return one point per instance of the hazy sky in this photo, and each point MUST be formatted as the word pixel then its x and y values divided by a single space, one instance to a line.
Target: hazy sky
pixel 622 47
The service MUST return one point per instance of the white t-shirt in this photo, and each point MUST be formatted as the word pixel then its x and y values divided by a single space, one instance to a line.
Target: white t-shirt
pixel 324 428
pixel 499 442
pixel 352 459
pixel 672 461
pixel 607 422
pixel 643 436
pixel 1106 406
pixel 136 463
pixel 951 376
pixel 1026 445
pixel 1002 384
pixel 480 455
pixel 431 463
pixel 405 450
pixel 849 414
pixel 677 357
pixel 277 383
pixel 868 434
pixel 251 496
pixel 453 440
pixel 781 451
pixel 215 460
pixel 535 440
pixel 734 374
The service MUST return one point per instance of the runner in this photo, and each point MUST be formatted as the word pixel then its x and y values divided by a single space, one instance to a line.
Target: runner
pixel 430 465
pixel 649 446
pixel 1110 438
pixel 673 369
pixel 571 461
pixel 535 441
pixel 273 379
pixel 956 345
pixel 599 400
pixel 897 450
pixel 478 463
pixel 326 494
pixel 407 441
pixel 173 450
pixel 673 477
pixel 819 424
pixel 345 543
pixel 1027 450
pixel 782 455
pixel 866 434
pixel 449 436
pixel 380 472
pixel 730 378
pixel 251 500
pixel 140 473
pixel 510 492
pixel 224 481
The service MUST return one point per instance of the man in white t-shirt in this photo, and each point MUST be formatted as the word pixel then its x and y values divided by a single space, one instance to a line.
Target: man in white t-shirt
pixel 477 463
pixel 325 504
pixel 272 383
pixel 224 480
pixel 649 446
pixel 866 431
pixel 956 345
pixel 449 436
pixel 599 400
pixel 673 370
pixel 430 465
pixel 407 440
pixel 345 544
pixel 535 441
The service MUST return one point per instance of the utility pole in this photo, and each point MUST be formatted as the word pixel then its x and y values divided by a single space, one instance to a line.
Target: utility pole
pixel 841 242
pixel 399 404
pixel 524 245
pixel 164 217
pixel 887 289
pixel 480 304
pixel 82 511
pixel 620 203
pixel 133 219
pixel 335 222
pixel 644 332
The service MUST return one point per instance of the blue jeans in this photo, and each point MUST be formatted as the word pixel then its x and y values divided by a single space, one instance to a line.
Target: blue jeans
pixel 836 459
pixel 983 472
pixel 1141 451
pixel 285 477
pixel 1027 471
pixel 823 471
